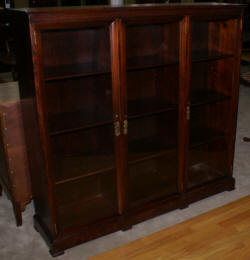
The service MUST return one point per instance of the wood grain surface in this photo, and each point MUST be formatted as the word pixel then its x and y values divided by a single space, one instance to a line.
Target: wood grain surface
pixel 222 233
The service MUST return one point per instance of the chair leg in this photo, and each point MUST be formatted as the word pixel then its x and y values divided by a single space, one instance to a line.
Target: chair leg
pixel 246 139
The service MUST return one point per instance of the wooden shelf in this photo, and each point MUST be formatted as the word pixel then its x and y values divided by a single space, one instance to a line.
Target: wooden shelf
pixel 202 135
pixel 206 55
pixel 206 96
pixel 83 201
pixel 70 168
pixel 148 148
pixel 201 173
pixel 78 120
pixel 151 180
pixel 148 106
pixel 145 195
pixel 74 71
pixel 148 62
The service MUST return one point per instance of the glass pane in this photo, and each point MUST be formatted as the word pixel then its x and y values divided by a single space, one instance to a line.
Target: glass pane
pixel 78 96
pixel 152 91
pixel 209 122
pixel 79 103
pixel 152 136
pixel 211 81
pixel 152 45
pixel 83 152
pixel 152 80
pixel 153 179
pixel 152 157
pixel 85 201
pixel 208 147
pixel 208 162
pixel 88 52
pixel 213 39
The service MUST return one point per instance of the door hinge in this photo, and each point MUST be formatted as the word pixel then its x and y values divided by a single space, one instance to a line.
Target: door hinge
pixel 125 127
pixel 117 128
pixel 188 112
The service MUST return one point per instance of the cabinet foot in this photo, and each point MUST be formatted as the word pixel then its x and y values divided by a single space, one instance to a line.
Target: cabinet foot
pixel 246 139
pixel 1 190
pixel 126 228
pixel 18 214
pixel 56 254
pixel 184 206
pixel 183 202
pixel 231 188
pixel 36 229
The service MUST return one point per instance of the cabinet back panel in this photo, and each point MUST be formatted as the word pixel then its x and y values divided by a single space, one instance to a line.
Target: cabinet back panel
pixel 87 49
pixel 213 75
pixel 158 41
pixel 213 38
pixel 163 125
pixel 152 179
pixel 74 103
pixel 208 162
pixel 199 36
pixel 83 152
pixel 214 117
pixel 144 40
pixel 157 83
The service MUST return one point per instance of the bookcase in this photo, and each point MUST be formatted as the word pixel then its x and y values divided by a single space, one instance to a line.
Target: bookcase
pixel 129 112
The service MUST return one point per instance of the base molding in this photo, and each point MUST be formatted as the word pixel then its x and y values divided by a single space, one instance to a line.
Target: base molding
pixel 78 235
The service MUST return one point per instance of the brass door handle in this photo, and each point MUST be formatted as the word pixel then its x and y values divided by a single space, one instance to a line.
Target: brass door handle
pixel 117 128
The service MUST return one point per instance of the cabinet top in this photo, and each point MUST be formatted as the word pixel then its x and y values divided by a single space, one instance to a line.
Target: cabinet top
pixel 66 16
pixel 132 7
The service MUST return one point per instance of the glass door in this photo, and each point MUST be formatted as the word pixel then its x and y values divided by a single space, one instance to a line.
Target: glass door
pixel 210 102
pixel 78 95
pixel 152 110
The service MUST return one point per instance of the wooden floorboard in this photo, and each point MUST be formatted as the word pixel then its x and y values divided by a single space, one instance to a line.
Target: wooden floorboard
pixel 223 233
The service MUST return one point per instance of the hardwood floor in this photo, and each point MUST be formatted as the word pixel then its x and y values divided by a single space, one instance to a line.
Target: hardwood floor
pixel 223 233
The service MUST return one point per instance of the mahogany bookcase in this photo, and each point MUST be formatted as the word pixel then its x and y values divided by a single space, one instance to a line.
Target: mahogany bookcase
pixel 129 111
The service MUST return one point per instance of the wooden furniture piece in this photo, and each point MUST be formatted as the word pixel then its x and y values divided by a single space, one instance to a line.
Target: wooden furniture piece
pixel 14 171
pixel 129 112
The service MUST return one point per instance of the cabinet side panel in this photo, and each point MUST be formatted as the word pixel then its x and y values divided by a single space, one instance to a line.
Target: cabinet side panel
pixel 28 105
pixel 235 91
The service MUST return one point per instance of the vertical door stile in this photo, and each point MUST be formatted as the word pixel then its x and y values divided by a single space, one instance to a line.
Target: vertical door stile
pixel 235 92
pixel 43 122
pixel 118 64
pixel 184 86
